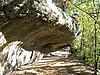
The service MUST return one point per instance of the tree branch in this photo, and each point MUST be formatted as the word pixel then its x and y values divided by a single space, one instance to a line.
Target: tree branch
pixel 85 12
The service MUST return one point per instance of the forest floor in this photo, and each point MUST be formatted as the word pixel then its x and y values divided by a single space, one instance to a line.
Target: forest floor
pixel 53 65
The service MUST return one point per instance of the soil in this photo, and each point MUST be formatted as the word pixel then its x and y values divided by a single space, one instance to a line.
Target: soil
pixel 53 65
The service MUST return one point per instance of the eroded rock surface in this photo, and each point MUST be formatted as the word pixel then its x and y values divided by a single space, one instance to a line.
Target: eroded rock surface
pixel 55 66
pixel 39 25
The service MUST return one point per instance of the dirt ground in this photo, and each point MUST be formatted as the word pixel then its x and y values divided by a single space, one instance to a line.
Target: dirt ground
pixel 55 66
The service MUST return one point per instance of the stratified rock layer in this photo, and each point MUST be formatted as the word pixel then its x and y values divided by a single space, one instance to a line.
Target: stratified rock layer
pixel 40 25
pixel 28 26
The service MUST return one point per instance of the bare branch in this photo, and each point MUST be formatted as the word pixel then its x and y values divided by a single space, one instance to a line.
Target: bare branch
pixel 85 12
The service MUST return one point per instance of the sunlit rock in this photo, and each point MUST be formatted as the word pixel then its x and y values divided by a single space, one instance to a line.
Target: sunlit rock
pixel 62 53
pixel 15 56
pixel 2 39
pixel 32 27
pixel 1 69
pixel 44 28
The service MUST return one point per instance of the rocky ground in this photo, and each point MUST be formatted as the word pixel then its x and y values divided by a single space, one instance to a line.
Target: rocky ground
pixel 54 65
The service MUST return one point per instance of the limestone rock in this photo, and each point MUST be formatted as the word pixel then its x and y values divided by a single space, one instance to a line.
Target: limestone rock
pixel 39 24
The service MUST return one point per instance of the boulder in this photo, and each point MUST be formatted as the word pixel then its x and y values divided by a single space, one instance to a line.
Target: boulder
pixel 31 26
pixel 39 24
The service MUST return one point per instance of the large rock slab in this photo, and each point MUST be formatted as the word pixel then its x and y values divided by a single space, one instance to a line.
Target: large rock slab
pixel 40 25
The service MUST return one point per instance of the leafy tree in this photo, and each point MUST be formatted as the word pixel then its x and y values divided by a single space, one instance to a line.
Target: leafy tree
pixel 89 46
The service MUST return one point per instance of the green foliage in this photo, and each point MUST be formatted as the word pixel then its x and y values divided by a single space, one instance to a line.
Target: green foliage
pixel 88 42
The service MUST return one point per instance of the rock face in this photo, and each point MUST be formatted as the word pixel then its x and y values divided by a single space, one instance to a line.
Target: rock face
pixel 39 24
